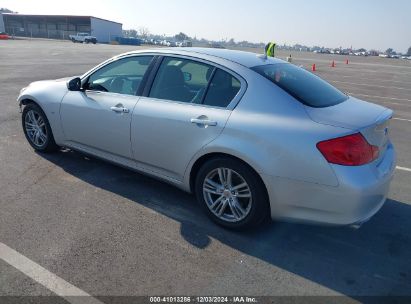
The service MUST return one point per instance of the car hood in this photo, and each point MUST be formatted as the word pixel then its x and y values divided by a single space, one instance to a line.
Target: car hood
pixel 46 83
pixel 64 79
pixel 354 114
pixel 42 89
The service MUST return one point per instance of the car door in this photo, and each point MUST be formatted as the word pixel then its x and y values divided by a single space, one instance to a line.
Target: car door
pixel 98 118
pixel 182 112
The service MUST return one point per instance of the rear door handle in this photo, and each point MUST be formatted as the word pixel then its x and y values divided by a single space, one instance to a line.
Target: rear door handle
pixel 205 122
pixel 120 109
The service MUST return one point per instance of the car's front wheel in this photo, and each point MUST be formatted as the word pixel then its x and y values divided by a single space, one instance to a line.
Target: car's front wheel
pixel 37 129
pixel 232 193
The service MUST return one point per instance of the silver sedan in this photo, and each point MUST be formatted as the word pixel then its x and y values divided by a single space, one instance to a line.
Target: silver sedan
pixel 253 137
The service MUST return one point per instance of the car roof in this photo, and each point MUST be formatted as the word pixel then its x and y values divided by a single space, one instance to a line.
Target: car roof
pixel 246 59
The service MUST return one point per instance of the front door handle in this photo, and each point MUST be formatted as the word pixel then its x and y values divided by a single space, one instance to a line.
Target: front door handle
pixel 120 109
pixel 204 122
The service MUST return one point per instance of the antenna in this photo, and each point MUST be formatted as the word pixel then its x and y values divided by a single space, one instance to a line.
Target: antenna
pixel 262 56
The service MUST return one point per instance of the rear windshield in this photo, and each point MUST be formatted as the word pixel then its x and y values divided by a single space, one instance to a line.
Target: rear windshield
pixel 308 88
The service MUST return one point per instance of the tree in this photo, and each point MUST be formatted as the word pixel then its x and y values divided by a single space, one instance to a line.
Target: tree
pixel 389 51
pixel 231 42
pixel 181 37
pixel 409 51
pixel 130 33
pixel 143 32
pixel 6 10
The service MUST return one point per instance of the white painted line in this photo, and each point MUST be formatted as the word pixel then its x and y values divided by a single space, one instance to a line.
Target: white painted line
pixel 382 97
pixel 382 101
pixel 370 85
pixel 41 275
pixel 396 103
pixel 404 169
pixel 403 119
pixel 374 79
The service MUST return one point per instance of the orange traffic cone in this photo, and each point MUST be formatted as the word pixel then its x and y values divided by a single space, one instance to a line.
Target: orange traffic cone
pixel 313 68
pixel 333 64
pixel 346 62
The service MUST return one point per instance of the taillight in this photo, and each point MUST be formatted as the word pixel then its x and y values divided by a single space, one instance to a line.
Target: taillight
pixel 351 150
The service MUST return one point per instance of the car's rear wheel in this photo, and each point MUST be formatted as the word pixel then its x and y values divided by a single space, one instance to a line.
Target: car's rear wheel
pixel 232 194
pixel 37 129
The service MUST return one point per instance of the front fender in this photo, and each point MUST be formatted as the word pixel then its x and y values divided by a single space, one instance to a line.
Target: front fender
pixel 48 95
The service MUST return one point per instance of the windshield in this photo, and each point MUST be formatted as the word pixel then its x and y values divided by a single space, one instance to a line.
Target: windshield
pixel 309 89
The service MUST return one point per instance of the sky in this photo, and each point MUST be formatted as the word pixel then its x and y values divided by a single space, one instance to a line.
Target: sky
pixel 372 24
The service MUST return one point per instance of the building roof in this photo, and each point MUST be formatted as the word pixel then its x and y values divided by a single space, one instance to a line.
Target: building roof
pixel 57 16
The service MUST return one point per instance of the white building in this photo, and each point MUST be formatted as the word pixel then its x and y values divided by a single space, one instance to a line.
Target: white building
pixel 59 26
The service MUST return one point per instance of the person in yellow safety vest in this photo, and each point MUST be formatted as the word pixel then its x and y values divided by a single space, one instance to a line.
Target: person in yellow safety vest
pixel 269 49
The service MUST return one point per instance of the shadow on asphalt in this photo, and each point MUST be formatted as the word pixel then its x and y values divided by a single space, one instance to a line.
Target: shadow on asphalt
pixel 373 260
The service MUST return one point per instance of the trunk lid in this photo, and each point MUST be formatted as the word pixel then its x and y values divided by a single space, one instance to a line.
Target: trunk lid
pixel 370 119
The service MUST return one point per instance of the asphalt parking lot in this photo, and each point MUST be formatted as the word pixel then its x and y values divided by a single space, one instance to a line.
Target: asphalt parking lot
pixel 112 232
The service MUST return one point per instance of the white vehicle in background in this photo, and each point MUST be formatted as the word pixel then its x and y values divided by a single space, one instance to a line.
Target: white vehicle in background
pixel 83 38
pixel 184 43
pixel 165 43
pixel 187 43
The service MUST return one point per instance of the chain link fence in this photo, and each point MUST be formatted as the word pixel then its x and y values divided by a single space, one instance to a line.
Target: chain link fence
pixel 39 33
pixel 54 34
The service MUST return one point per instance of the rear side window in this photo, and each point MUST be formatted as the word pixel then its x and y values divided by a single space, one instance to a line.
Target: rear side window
pixel 190 81
pixel 223 88
pixel 181 80
pixel 309 89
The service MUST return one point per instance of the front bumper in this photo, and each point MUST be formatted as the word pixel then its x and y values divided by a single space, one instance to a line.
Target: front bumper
pixel 361 192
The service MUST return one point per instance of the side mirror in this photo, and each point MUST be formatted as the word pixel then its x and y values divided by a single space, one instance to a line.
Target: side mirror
pixel 74 84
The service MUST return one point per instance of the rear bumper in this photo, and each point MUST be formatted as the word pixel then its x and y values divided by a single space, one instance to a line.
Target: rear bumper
pixel 361 192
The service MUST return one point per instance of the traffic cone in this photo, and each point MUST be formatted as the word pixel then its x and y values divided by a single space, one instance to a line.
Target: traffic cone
pixel 333 64
pixel 346 62
pixel 313 68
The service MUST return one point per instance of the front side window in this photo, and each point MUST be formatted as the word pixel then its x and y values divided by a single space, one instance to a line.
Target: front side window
pixel 122 76
pixel 309 89
pixel 181 80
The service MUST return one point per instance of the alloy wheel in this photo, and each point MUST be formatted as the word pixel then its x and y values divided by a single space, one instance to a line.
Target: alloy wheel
pixel 227 194
pixel 36 129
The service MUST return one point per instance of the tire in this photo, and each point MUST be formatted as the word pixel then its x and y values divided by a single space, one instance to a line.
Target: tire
pixel 251 197
pixel 33 121
pixel 73 40
pixel 87 41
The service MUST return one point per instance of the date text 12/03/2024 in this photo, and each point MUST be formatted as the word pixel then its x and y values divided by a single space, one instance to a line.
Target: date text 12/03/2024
pixel 203 299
